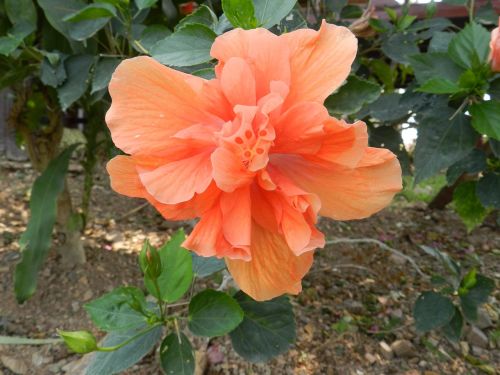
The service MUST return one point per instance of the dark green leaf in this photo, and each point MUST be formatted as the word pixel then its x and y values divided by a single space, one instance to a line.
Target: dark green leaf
pixel 176 355
pixel 150 36
pixel 14 38
pixel 271 12
pixel 430 26
pixel 188 46
pixel 400 46
pixel 486 118
pixel 405 21
pixel 240 13
pixel 486 14
pixel 388 137
pixel 177 270
pixel 113 311
pixel 387 108
pixel 494 89
pixel 202 15
pixel 453 330
pixel 108 363
pixel 474 162
pixel 36 240
pixel 77 69
pixel 103 72
pixel 468 206
pixel 213 313
pixel 440 41
pixel 352 96
pixel 442 142
pixel 440 86
pixel 432 310
pixel 21 11
pixel 144 4
pixel 434 65
pixel 293 21
pixel 52 75
pixel 476 296
pixel 268 328
pixel 92 12
pixel 203 267
pixel 495 147
pixel 488 190
pixel 470 47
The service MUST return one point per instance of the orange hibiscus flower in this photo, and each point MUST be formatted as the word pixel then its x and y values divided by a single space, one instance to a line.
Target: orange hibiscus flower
pixel 253 153
pixel 495 48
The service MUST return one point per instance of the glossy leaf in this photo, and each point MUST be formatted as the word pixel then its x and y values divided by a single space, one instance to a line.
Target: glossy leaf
pixel 144 4
pixel 438 147
pixel 206 266
pixel 271 12
pixel 474 162
pixel 267 330
pixel 14 38
pixel 176 275
pixel 440 86
pixel 109 363
pixel 240 13
pixel 434 65
pixel 440 41
pixel 150 36
pixel 103 71
pixel 432 310
pixel 488 190
pixel 476 296
pixel 202 15
pixel 21 12
pixel 486 118
pixel 188 46
pixel 113 311
pixel 468 206
pixel 387 108
pixel 77 69
pixel 352 96
pixel 92 12
pixel 470 47
pixel 213 313
pixel 176 355
pixel 36 240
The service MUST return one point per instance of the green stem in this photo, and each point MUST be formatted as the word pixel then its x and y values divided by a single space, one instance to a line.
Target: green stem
pixel 12 340
pixel 160 302
pixel 471 10
pixel 116 347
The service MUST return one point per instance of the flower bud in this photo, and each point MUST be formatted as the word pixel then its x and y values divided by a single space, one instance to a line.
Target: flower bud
pixel 79 341
pixel 150 261
pixel 495 48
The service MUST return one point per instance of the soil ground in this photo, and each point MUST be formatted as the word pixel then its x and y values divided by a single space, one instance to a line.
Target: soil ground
pixel 356 298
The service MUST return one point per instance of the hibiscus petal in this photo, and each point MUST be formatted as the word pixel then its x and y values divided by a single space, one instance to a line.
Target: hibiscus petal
pixel 152 102
pixel 180 180
pixel 237 82
pixel 347 193
pixel 273 270
pixel 228 171
pixel 237 217
pixel 343 143
pixel 262 50
pixel 319 61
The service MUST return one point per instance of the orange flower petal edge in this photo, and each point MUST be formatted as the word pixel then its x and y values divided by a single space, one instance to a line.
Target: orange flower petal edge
pixel 253 152
pixel 495 48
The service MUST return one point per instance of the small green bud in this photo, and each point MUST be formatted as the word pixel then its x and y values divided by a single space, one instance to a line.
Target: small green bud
pixel 79 341
pixel 150 261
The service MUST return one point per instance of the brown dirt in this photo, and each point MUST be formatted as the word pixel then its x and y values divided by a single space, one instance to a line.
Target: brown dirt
pixel 361 283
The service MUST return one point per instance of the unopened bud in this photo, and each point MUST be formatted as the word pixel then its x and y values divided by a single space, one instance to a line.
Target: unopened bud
pixel 150 261
pixel 79 341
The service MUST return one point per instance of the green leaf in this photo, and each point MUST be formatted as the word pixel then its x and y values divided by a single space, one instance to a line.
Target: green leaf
pixel 494 89
pixel 203 15
pixel 405 21
pixel 476 296
pixel 150 36
pixel 103 71
pixel 271 12
pixel 113 311
pixel 77 69
pixel 203 266
pixel 486 118
pixel 474 162
pixel 177 270
pixel 188 46
pixel 434 65
pixel 79 341
pixel 36 240
pixel 55 12
pixel 432 310
pixel 440 86
pixel 293 21
pixel 21 11
pixel 387 108
pixel 440 41
pixel 350 97
pixel 240 13
pixel 14 38
pixel 470 47
pixel 388 137
pixel 92 12
pixel 442 142
pixel 468 206
pixel 488 190
pixel 267 330
pixel 207 73
pixel 176 355
pixel 453 330
pixel 145 4
pixel 400 46
pixel 108 363
pixel 213 313
pixel 52 75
